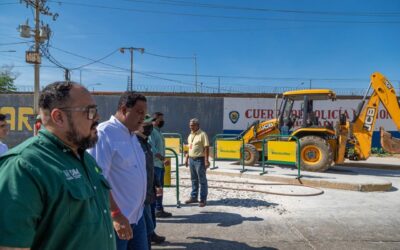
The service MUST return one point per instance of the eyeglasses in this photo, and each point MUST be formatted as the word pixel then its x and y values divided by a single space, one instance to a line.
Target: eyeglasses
pixel 91 111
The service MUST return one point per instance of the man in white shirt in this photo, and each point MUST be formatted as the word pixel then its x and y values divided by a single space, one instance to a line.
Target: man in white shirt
pixel 3 134
pixel 119 154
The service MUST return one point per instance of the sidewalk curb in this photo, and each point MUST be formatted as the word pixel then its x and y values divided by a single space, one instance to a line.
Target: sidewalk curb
pixel 364 187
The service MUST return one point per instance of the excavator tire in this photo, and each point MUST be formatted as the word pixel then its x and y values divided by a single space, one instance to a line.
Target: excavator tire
pixel 250 155
pixel 315 153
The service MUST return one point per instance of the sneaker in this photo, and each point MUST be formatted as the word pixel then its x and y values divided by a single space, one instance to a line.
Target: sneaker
pixel 191 200
pixel 163 214
pixel 156 239
pixel 202 203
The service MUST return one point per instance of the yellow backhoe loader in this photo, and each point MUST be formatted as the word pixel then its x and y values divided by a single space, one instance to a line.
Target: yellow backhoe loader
pixel 322 145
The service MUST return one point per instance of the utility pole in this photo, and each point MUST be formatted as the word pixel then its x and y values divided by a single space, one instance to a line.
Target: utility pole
pixel 195 71
pixel 310 83
pixel 131 49
pixel 36 88
pixel 219 84
pixel 40 33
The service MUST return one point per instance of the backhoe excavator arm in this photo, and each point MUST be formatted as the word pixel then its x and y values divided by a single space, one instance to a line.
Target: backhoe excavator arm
pixel 364 122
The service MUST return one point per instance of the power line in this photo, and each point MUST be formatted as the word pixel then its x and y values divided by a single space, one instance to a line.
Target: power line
pixel 168 57
pixel 113 66
pixel 86 58
pixel 230 7
pixel 181 82
pixel 223 17
pixel 96 61
pixel 6 44
pixel 154 73
pixel 10 3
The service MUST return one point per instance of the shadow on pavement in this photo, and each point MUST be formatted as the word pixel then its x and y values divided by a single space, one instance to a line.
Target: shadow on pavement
pixel 221 219
pixel 364 171
pixel 310 176
pixel 377 166
pixel 235 202
pixel 210 243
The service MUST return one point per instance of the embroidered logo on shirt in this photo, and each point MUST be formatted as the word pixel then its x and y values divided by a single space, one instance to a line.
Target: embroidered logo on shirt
pixel 71 174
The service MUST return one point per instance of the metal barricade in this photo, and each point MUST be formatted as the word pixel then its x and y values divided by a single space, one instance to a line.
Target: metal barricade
pixel 175 155
pixel 281 152
pixel 171 142
pixel 232 153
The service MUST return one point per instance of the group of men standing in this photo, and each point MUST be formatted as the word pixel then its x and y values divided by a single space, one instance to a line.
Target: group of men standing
pixel 84 185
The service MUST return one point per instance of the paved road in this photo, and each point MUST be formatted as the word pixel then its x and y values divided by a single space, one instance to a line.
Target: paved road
pixel 337 219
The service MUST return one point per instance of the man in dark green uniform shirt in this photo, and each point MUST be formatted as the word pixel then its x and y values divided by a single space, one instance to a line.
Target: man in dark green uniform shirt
pixel 52 193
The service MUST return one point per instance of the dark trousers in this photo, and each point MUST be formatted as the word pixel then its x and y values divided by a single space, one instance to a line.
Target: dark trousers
pixel 198 176
pixel 159 174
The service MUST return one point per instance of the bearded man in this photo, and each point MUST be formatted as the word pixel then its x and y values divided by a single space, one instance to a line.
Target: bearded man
pixel 52 192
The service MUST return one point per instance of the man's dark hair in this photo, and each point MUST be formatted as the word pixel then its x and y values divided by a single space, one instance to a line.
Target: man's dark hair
pixel 129 99
pixel 55 95
pixel 157 114
pixel 2 118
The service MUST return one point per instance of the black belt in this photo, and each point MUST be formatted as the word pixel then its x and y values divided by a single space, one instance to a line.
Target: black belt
pixel 196 158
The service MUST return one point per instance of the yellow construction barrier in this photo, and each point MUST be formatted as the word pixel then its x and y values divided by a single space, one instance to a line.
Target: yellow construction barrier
pixel 173 143
pixel 228 149
pixel 282 151
pixel 167 173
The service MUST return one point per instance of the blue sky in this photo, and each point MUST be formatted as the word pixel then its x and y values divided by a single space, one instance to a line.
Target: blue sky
pixel 253 45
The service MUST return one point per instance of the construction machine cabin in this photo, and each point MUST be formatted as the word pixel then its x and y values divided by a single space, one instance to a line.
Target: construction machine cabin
pixel 322 144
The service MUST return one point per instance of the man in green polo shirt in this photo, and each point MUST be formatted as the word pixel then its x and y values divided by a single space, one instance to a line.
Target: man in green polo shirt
pixel 52 193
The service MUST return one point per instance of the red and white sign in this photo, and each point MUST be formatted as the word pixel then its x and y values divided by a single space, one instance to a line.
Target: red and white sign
pixel 239 113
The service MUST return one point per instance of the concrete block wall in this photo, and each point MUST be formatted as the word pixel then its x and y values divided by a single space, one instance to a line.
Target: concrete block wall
pixel 178 110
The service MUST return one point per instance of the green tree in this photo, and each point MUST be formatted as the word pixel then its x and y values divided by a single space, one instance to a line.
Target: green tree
pixel 7 77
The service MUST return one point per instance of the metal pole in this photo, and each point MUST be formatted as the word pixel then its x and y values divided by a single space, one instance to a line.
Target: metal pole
pixel 219 84
pixel 131 80
pixel 399 88
pixel 37 65
pixel 195 71
pixel 310 83
pixel 131 49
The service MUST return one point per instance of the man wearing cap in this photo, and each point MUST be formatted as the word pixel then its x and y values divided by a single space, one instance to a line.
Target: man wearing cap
pixel 197 158
pixel 153 184
pixel 157 143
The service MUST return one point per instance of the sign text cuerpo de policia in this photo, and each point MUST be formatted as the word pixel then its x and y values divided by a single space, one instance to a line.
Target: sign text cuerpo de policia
pixel 239 113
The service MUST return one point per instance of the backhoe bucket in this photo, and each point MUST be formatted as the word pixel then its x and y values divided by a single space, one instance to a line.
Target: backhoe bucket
pixel 389 143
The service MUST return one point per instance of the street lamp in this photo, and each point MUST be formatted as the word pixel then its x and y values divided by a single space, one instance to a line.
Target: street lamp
pixel 131 49
pixel 93 84
pixel 8 51
pixel 301 84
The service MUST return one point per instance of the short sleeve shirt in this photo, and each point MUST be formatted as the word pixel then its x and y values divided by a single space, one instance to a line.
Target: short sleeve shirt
pixel 51 199
pixel 157 143
pixel 197 142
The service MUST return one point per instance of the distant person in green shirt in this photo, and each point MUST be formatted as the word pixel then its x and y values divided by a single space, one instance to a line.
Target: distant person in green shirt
pixel 52 193
pixel 157 143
